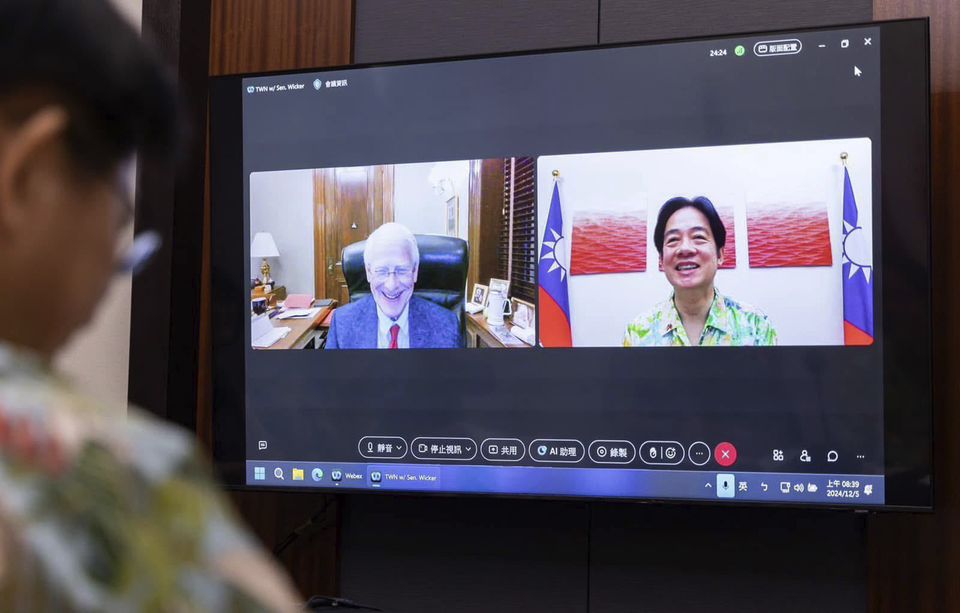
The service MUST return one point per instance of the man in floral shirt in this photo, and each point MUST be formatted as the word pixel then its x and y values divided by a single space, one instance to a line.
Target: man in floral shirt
pixel 690 238
pixel 96 512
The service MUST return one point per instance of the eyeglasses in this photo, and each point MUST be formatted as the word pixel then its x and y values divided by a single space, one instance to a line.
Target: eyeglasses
pixel 133 257
pixel 402 273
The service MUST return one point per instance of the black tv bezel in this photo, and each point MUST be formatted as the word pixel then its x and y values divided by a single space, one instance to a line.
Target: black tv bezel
pixel 907 379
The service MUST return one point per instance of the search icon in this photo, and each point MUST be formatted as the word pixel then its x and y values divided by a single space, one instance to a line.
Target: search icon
pixel 278 473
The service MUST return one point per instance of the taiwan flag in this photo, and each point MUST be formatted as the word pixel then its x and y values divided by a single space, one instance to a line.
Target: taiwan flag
pixel 554 301
pixel 857 272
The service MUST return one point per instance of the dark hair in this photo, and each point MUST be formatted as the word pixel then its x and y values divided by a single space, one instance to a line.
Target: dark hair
pixel 702 204
pixel 83 55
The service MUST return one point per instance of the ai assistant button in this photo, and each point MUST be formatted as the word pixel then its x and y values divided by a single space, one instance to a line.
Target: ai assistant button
pixel 725 454
pixel 566 451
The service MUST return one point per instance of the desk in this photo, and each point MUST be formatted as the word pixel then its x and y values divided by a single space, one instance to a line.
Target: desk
pixel 300 329
pixel 480 335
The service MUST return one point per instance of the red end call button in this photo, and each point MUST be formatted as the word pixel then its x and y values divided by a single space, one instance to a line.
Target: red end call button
pixel 725 454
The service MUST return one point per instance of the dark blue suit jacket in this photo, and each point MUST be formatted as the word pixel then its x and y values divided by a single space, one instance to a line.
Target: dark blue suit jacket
pixel 354 326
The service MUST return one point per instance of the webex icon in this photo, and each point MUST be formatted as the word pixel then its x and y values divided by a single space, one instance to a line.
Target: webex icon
pixel 250 89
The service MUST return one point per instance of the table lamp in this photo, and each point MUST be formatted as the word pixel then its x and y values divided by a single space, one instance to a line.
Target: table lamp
pixel 264 247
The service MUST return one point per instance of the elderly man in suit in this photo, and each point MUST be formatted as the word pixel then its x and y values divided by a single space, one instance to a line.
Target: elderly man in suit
pixel 392 317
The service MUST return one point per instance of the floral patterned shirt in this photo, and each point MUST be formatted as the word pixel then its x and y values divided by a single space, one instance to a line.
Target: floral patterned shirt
pixel 100 512
pixel 729 323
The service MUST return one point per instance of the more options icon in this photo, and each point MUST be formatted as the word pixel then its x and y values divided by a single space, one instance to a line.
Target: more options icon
pixel 699 453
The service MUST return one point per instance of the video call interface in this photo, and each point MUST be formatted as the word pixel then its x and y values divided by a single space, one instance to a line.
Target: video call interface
pixel 636 272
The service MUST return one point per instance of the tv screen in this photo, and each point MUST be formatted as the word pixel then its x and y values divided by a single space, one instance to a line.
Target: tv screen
pixel 689 270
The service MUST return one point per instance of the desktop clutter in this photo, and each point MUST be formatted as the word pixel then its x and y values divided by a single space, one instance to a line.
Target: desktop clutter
pixel 281 321
pixel 510 321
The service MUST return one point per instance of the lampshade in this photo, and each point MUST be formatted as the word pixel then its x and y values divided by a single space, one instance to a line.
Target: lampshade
pixel 263 246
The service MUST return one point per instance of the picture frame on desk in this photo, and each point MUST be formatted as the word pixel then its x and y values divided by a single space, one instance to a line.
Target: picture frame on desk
pixel 479 295
pixel 500 285
pixel 524 314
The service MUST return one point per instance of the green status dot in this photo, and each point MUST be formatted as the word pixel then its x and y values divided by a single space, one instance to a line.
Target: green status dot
pixel 739 50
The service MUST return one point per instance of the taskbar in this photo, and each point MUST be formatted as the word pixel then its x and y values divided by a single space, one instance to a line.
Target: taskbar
pixel 724 486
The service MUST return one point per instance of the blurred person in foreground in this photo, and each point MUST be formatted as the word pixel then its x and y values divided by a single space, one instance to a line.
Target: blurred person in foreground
pixel 96 512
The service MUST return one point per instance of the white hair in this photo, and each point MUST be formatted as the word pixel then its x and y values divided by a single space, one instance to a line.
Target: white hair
pixel 393 232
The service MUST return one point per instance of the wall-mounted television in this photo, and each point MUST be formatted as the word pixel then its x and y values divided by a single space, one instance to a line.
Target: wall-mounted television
pixel 692 270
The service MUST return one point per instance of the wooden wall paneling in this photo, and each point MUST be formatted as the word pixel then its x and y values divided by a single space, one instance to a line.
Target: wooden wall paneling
pixel 486 201
pixel 319 235
pixel 387 30
pixel 262 35
pixel 491 210
pixel 631 21
pixel 473 224
pixel 915 559
pixel 170 196
pixel 251 36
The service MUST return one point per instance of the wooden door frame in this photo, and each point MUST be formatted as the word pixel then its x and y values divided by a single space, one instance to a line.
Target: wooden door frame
pixel 380 210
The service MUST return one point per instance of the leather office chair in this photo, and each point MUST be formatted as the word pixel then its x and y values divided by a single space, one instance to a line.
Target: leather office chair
pixel 442 273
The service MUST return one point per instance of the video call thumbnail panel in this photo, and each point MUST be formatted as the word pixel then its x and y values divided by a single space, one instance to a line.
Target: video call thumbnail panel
pixel 748 245
pixel 436 255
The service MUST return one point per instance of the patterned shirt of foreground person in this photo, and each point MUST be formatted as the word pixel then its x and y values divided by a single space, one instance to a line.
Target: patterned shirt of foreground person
pixel 112 513
pixel 729 323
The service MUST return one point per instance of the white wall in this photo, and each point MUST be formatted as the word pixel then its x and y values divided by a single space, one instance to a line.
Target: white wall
pixel 419 207
pixel 98 358
pixel 281 203
pixel 804 304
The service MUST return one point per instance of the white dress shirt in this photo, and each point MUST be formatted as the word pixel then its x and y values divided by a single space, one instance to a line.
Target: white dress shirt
pixel 385 323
